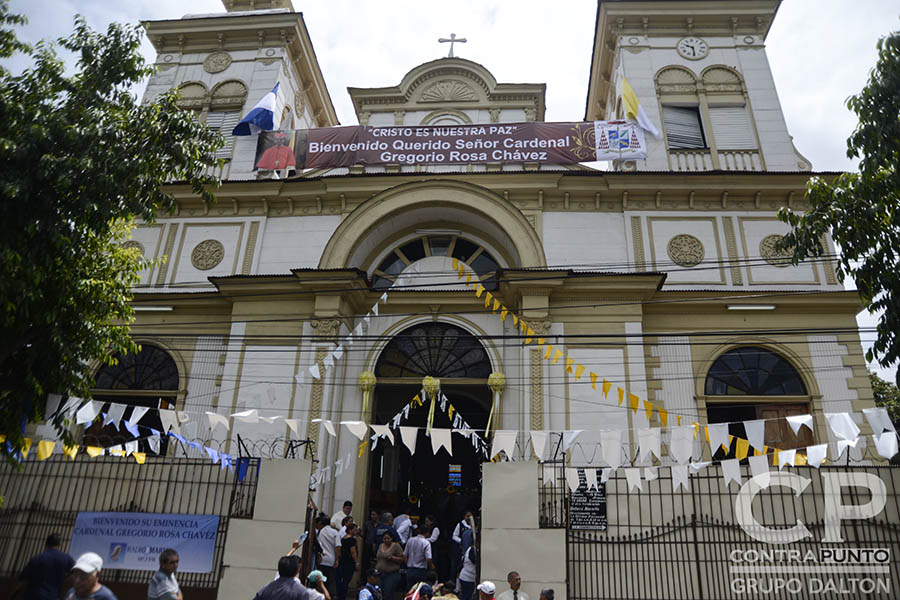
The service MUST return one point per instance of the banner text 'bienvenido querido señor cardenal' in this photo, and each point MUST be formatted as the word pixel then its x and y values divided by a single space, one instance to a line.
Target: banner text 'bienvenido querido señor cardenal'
pixel 550 143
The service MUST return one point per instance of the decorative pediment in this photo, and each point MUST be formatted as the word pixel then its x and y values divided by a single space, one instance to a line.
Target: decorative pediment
pixel 193 95
pixel 449 90
pixel 229 93
pixel 721 79
pixel 676 80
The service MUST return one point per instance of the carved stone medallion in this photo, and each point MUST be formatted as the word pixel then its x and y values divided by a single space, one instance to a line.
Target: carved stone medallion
pixel 207 254
pixel 686 250
pixel 772 256
pixel 133 244
pixel 217 62
pixel 449 91
pixel 299 104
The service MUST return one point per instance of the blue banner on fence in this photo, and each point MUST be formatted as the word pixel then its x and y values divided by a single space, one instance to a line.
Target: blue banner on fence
pixel 134 540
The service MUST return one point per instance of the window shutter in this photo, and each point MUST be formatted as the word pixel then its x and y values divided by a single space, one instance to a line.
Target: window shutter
pixel 224 121
pixel 731 126
pixel 683 129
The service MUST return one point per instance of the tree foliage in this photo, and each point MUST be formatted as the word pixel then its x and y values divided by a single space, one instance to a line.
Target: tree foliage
pixel 887 395
pixel 80 159
pixel 862 210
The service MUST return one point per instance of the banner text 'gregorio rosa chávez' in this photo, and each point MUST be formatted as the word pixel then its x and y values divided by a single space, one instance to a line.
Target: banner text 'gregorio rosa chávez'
pixel 553 143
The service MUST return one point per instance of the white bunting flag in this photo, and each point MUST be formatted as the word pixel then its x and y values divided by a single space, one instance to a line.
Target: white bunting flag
pixel 651 473
pixel 680 478
pixel 168 420
pixel 52 405
pixel 786 457
pixel 731 471
pixel 131 447
pixel 815 455
pixel 328 361
pixel 69 408
pixel 270 420
pixel 314 372
pixel 843 427
pixel 605 475
pixel 115 414
pixel 138 412
pixel 299 379
pixel 572 479
pixel 844 444
pixel 698 466
pixel 357 428
pixel 681 444
pixel 650 441
pixel 375 309
pixel 633 478
pixel 338 467
pixel 366 320
pixel 383 431
pixel 153 442
pixel 338 352
pixel 539 444
pixel 756 433
pixel 611 443
pixel 718 436
pixel 383 297
pixel 216 419
pixel 886 444
pixel 87 413
pixel 440 438
pixel 293 425
pixel 409 436
pixel 569 438
pixel 358 330
pixel 798 421
pixel 183 417
pixel 879 419
pixel 463 432
pixel 504 441
pixel 246 416
pixel 759 464
pixel 329 426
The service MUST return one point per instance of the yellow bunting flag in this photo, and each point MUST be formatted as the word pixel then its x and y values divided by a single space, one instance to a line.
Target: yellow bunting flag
pixel 648 408
pixel 548 352
pixel 706 429
pixel 26 448
pixel 621 395
pixel 606 387
pixel 593 377
pixel 117 452
pixel 678 420
pixel 462 271
pixel 455 264
pixel 450 410
pixel 2 438
pixel 93 451
pixel 70 451
pixel 569 363
pixel 487 299
pixel 742 449
pixel 416 400
pixel 497 305
pixel 503 314
pixel 541 342
pixel 529 335
pixel 515 321
pixel 696 427
pixel 45 449
pixel 663 415
pixel 730 442
pixel 579 369
pixel 774 457
pixel 362 448
pixel 523 326
pixel 799 459
pixel 140 457
pixel 479 289
pixel 556 356
pixel 634 401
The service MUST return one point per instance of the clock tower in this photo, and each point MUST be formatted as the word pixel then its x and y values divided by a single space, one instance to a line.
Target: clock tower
pixel 701 72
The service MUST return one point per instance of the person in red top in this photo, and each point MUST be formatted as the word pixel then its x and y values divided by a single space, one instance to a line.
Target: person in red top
pixel 280 156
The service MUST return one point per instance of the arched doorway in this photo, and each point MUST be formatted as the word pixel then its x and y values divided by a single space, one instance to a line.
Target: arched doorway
pixel 425 483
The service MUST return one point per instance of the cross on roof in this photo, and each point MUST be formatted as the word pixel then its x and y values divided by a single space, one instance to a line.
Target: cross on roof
pixel 452 39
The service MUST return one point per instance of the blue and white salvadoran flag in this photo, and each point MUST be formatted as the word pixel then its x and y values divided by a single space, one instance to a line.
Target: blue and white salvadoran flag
pixel 261 117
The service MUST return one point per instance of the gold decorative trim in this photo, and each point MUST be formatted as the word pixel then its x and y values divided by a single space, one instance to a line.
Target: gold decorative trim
pixel 537 390
pixel 637 240
pixel 731 244
pixel 167 254
pixel 207 255
pixel 251 248
pixel 315 398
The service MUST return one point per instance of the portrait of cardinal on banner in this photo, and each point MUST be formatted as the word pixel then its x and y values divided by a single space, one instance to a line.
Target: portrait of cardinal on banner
pixel 277 150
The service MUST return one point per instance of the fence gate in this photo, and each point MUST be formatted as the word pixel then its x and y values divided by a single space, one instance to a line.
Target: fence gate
pixel 45 497
pixel 687 545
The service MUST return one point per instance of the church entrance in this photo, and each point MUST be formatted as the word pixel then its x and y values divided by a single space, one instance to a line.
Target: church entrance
pixel 425 483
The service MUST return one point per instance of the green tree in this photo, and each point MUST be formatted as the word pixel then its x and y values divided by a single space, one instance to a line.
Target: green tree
pixel 862 210
pixel 80 160
pixel 887 395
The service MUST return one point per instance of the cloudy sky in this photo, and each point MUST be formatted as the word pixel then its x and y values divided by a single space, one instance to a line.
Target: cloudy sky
pixel 820 50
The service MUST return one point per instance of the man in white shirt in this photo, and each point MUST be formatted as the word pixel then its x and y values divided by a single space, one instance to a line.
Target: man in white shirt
pixel 338 517
pixel 330 544
pixel 163 585
pixel 403 525
pixel 418 557
pixel 513 593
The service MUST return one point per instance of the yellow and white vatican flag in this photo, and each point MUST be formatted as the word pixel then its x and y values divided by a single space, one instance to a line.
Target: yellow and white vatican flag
pixel 634 110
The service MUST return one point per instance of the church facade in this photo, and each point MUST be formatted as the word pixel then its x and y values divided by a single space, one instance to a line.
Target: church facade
pixel 660 275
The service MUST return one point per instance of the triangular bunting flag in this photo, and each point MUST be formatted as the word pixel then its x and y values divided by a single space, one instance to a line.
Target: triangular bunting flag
pixel 504 441
pixel 441 438
pixel 409 436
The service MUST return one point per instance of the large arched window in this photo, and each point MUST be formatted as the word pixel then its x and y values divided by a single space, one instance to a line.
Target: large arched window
pixel 751 383
pixel 436 349
pixel 471 253
pixel 147 378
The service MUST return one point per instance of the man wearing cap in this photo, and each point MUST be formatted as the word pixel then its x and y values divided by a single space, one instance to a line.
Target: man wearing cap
pixel 513 593
pixel 163 585
pixel 371 591
pixel 486 590
pixel 315 585
pixel 86 584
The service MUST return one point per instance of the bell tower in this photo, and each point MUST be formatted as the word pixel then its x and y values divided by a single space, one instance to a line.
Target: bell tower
pixel 701 72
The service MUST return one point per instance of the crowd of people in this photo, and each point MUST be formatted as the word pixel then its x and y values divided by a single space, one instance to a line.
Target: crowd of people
pixel 394 553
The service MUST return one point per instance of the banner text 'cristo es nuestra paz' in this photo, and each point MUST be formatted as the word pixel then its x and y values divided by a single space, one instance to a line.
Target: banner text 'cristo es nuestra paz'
pixel 552 143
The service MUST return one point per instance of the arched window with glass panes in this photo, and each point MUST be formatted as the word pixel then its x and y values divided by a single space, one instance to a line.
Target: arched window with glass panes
pixel 472 253
pixel 751 383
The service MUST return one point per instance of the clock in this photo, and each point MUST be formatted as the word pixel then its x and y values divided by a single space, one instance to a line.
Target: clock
pixel 692 48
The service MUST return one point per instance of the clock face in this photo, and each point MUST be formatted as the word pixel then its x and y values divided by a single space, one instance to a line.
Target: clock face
pixel 692 48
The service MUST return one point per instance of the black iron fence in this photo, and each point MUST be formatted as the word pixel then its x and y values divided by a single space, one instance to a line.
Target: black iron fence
pixel 45 497
pixel 690 544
